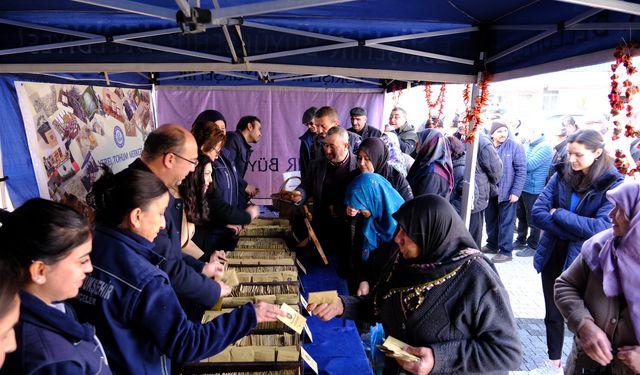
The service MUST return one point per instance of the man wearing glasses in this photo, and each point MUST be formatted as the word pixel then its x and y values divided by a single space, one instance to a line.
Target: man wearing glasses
pixel 171 153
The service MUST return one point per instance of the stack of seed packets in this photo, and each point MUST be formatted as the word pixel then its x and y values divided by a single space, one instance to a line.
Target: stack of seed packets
pixel 392 347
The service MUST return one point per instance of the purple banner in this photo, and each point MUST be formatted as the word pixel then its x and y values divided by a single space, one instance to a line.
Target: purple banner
pixel 281 113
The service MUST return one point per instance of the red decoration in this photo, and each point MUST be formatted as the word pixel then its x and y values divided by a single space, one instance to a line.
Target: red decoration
pixel 396 94
pixel 473 112
pixel 438 103
pixel 620 102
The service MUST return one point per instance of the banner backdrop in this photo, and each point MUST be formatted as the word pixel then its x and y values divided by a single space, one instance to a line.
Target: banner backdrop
pixel 281 113
pixel 73 129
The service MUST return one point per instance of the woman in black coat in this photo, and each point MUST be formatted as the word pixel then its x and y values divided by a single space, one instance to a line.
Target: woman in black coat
pixel 439 295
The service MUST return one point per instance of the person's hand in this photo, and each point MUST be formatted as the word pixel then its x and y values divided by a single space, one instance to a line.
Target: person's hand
pixel 363 288
pixel 266 312
pixel 213 270
pixel 251 190
pixel 218 256
pixel 513 198
pixel 253 210
pixel 327 311
pixel 595 343
pixel 630 356
pixel 235 228
pixel 421 367
pixel 351 211
pixel 225 289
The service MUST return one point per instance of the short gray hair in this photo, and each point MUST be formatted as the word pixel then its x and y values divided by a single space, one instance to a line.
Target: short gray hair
pixel 341 132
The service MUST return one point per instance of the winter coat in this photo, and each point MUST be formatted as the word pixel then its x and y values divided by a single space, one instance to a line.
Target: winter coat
pixel 313 183
pixel 239 152
pixel 52 342
pixel 137 314
pixel 367 132
pixel 407 137
pixel 488 173
pixel 514 169
pixel 471 305
pixel 539 156
pixel 579 295
pixel 183 270
pixel 458 179
pixel 306 151
pixel 226 179
pixel 571 228
pixel 559 158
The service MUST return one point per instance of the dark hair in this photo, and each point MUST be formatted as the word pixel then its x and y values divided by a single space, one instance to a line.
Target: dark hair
pixel 326 111
pixel 165 139
pixel 207 135
pixel 593 141
pixel 10 283
pixel 456 148
pixel 42 230
pixel 245 121
pixel 196 206
pixel 115 196
pixel 210 115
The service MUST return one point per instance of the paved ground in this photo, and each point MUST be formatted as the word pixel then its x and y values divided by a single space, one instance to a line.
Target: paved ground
pixel 525 290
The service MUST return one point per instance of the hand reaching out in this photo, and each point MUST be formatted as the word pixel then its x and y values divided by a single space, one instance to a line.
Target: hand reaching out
pixel 327 311
pixel 266 312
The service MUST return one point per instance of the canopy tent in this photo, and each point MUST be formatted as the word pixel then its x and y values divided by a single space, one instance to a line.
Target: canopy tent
pixel 331 44
pixel 278 41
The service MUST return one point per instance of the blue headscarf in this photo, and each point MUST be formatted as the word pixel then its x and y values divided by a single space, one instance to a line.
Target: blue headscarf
pixel 372 192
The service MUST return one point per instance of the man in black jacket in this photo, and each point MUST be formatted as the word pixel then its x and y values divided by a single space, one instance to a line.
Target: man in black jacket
pixel 248 130
pixel 488 173
pixel 327 181
pixel 359 124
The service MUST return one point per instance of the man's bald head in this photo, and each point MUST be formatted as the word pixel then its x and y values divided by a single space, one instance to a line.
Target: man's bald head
pixel 171 153
pixel 165 139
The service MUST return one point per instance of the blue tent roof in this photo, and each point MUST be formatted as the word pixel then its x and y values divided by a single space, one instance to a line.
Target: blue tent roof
pixel 370 41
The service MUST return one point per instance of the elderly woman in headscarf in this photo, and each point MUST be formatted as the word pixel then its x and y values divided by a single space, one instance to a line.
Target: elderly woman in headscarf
pixel 599 294
pixel 372 196
pixel 373 156
pixel 397 159
pixel 432 172
pixel 440 296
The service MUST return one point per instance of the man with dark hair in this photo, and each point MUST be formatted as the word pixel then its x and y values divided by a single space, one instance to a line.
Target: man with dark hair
pixel 359 124
pixel 406 133
pixel 170 152
pixel 248 130
pixel 326 118
pixel 327 181
pixel 307 152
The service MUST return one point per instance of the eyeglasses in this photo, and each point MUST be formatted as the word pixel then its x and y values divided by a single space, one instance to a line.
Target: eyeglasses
pixel 194 162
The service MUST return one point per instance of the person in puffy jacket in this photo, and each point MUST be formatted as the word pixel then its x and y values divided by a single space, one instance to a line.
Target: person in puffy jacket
pixel 51 243
pixel 571 208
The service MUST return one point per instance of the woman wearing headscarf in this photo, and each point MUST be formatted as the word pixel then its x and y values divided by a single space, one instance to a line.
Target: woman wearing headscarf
pixel 432 172
pixel 373 156
pixel 439 295
pixel 572 208
pixel 372 196
pixel 397 159
pixel 599 295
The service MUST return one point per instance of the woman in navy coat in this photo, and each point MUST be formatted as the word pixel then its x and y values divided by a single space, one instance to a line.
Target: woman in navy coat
pixel 51 242
pixel 572 208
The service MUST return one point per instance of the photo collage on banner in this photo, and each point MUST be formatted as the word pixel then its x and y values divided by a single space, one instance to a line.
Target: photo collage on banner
pixel 73 129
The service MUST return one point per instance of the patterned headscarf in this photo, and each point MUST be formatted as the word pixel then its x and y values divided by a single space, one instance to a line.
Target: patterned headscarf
pixel 396 160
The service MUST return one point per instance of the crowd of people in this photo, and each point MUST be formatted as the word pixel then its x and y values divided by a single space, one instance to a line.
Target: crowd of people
pixel 124 293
